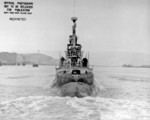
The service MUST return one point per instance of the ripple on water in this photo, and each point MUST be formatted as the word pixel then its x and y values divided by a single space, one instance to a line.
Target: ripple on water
pixel 48 107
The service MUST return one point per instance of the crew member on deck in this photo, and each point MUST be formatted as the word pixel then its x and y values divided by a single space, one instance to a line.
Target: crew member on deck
pixel 62 60
pixel 84 62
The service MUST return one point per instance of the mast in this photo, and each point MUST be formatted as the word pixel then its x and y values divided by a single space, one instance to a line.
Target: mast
pixel 74 19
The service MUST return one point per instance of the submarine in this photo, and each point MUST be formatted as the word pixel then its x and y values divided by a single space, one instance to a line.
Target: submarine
pixel 74 76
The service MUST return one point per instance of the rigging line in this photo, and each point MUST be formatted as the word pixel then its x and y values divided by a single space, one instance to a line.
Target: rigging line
pixel 74 8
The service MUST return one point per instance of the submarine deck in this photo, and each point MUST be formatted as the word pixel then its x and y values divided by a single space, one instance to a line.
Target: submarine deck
pixel 70 69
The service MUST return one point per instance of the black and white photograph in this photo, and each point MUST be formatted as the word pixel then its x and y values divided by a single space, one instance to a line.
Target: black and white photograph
pixel 75 60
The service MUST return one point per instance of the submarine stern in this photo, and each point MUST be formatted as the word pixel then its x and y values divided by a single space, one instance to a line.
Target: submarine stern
pixel 75 82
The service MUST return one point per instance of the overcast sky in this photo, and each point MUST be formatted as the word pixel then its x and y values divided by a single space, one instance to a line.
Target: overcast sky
pixel 102 26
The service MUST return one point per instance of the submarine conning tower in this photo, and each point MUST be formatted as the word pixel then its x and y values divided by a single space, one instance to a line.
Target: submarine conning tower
pixel 73 55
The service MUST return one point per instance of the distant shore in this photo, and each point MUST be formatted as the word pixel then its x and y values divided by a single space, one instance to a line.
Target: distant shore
pixel 134 66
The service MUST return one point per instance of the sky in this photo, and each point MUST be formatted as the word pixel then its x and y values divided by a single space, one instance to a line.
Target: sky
pixel 102 26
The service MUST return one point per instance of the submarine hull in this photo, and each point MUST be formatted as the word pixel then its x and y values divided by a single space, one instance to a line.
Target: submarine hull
pixel 76 89
pixel 74 81
pixel 74 77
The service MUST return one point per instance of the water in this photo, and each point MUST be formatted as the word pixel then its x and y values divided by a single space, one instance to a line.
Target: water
pixel 25 94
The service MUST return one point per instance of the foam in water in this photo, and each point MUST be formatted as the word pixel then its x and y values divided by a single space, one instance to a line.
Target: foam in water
pixel 111 109
pixel 123 97
pixel 78 108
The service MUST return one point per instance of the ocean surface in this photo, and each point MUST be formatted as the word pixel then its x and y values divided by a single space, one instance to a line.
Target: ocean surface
pixel 25 94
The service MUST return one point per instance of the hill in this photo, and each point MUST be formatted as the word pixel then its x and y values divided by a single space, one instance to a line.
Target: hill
pixel 7 58
pixel 40 59
pixel 98 58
